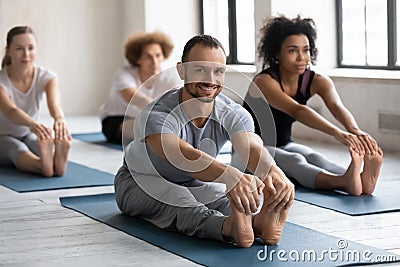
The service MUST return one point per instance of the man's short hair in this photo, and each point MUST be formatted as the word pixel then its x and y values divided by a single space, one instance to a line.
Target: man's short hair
pixel 205 40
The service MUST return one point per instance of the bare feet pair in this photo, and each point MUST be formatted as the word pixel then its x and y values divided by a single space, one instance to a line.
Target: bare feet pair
pixel 53 156
pixel 357 183
pixel 267 225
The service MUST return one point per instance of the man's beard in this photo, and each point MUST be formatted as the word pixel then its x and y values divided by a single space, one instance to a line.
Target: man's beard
pixel 201 98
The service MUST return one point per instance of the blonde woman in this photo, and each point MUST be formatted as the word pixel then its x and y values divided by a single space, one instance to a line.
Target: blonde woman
pixel 25 142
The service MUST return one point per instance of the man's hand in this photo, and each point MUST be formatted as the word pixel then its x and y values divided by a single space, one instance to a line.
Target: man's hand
pixel 278 191
pixel 245 193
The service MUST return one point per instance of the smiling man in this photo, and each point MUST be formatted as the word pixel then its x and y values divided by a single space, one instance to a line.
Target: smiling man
pixel 170 176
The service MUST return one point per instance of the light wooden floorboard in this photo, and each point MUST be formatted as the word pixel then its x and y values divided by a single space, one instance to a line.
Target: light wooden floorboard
pixel 35 230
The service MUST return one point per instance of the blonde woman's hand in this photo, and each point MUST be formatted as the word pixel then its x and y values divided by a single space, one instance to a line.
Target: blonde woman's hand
pixel 61 130
pixel 40 130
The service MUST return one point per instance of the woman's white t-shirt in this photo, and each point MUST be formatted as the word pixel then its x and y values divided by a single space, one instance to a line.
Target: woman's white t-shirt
pixel 128 77
pixel 28 101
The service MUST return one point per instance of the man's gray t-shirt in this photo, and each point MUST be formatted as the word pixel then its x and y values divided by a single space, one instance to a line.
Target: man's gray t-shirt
pixel 166 116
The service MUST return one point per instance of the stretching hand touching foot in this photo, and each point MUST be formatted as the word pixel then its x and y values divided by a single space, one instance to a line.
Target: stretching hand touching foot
pixel 245 194
pixel 278 198
pixel 350 140
pixel 372 162
pixel 62 141
pixel 368 142
pixel 280 190
pixel 370 174
pixel 40 130
pixel 61 130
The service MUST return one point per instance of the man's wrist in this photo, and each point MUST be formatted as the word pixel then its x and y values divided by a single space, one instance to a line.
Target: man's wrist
pixel 230 177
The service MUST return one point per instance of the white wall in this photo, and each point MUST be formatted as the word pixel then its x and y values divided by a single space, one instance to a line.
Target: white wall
pixel 177 18
pixel 82 40
pixel 133 17
pixel 79 40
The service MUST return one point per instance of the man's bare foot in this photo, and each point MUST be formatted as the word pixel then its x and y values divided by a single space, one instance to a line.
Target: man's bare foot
pixel 370 174
pixel 46 148
pixel 61 156
pixel 352 178
pixel 268 224
pixel 238 228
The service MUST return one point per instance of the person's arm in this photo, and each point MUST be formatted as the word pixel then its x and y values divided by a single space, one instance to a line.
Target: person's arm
pixel 138 99
pixel 249 147
pixel 325 88
pixel 241 187
pixel 126 82
pixel 53 103
pixel 302 113
pixel 18 116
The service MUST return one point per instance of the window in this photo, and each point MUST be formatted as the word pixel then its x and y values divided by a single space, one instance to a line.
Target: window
pixel 367 33
pixel 232 23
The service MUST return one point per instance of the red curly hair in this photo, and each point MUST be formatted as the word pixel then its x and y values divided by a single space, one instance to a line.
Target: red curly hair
pixel 136 42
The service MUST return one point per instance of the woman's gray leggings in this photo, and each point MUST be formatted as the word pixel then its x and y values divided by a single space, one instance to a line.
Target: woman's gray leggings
pixel 298 162
pixel 11 148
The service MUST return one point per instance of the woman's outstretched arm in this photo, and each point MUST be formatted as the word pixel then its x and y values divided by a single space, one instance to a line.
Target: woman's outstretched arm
pixel 325 88
pixel 302 113
pixel 53 102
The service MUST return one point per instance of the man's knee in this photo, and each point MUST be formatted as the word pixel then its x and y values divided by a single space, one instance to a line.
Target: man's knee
pixel 123 188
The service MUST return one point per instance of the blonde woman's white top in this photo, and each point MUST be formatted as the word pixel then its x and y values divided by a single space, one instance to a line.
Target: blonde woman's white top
pixel 28 101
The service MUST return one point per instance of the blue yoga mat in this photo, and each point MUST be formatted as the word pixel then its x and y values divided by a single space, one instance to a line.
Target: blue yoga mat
pixel 75 176
pixel 298 242
pixel 97 138
pixel 385 199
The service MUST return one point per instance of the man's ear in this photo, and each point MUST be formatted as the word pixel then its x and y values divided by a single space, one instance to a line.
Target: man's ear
pixel 181 70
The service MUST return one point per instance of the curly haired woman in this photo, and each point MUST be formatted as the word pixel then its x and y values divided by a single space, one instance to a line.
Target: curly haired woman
pixel 286 83
pixel 132 84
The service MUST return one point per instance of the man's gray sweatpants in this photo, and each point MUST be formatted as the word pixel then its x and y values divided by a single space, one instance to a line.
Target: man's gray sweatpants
pixel 194 211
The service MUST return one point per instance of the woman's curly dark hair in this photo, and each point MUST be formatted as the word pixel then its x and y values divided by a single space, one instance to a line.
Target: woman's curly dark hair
pixel 275 30
pixel 136 42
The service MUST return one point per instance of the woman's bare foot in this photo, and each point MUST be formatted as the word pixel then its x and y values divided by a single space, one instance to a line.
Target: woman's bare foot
pixel 46 148
pixel 268 224
pixel 370 174
pixel 61 156
pixel 238 228
pixel 352 178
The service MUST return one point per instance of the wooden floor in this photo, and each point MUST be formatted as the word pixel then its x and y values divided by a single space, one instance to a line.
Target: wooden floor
pixel 36 231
